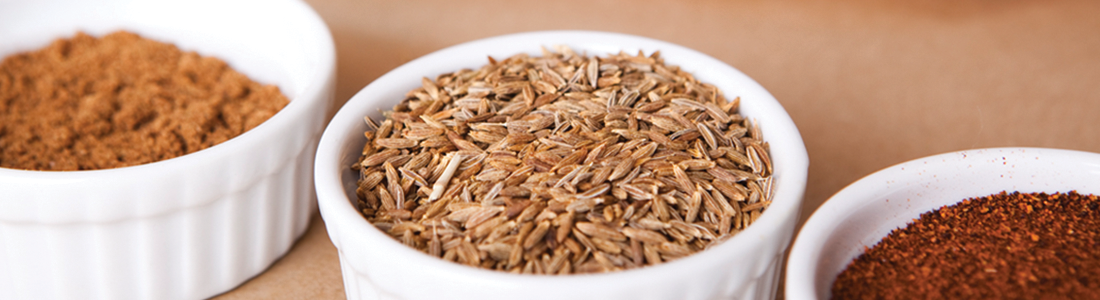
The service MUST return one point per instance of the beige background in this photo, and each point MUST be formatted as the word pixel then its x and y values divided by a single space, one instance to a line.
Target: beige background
pixel 869 83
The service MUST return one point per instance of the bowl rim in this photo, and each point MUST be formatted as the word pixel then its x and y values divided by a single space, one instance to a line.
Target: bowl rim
pixel 313 92
pixel 341 217
pixel 805 253
pixel 318 34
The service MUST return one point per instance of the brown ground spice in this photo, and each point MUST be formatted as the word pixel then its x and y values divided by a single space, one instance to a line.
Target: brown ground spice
pixel 89 103
pixel 1004 246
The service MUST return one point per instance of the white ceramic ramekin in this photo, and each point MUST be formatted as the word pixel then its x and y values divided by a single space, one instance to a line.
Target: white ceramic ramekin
pixel 376 266
pixel 861 214
pixel 190 227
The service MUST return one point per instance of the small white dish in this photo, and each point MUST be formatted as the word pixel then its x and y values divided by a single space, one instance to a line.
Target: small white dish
pixel 375 266
pixel 190 227
pixel 861 214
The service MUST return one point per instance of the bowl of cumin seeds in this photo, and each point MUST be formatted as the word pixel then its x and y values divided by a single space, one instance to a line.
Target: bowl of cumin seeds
pixel 561 165
pixel 120 219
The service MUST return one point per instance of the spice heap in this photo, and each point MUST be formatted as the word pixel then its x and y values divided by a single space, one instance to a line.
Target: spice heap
pixel 564 164
pixel 89 103
pixel 1004 246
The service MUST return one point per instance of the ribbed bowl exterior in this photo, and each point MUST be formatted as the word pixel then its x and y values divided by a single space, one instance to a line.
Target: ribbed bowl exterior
pixel 382 279
pixel 375 266
pixel 189 227
pixel 190 253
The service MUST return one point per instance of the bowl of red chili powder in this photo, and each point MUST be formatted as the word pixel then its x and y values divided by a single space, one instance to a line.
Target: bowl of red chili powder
pixel 140 157
pixel 1000 223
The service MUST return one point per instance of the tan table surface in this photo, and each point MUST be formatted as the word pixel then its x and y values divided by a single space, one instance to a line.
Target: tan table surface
pixel 869 83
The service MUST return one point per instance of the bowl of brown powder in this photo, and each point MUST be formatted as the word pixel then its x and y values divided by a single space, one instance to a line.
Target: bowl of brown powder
pixel 561 165
pixel 158 150
pixel 999 223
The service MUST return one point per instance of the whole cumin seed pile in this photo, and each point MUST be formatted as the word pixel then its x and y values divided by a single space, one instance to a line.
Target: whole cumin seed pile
pixel 89 103
pixel 564 164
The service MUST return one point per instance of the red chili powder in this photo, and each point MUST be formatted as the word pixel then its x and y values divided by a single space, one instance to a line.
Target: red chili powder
pixel 1003 246
pixel 90 103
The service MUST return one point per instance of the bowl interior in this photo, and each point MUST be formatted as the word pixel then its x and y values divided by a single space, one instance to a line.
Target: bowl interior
pixel 280 42
pixel 863 213
pixel 788 151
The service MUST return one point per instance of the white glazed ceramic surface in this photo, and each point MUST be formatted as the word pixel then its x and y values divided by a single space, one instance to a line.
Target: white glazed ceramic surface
pixel 376 266
pixel 189 227
pixel 861 214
